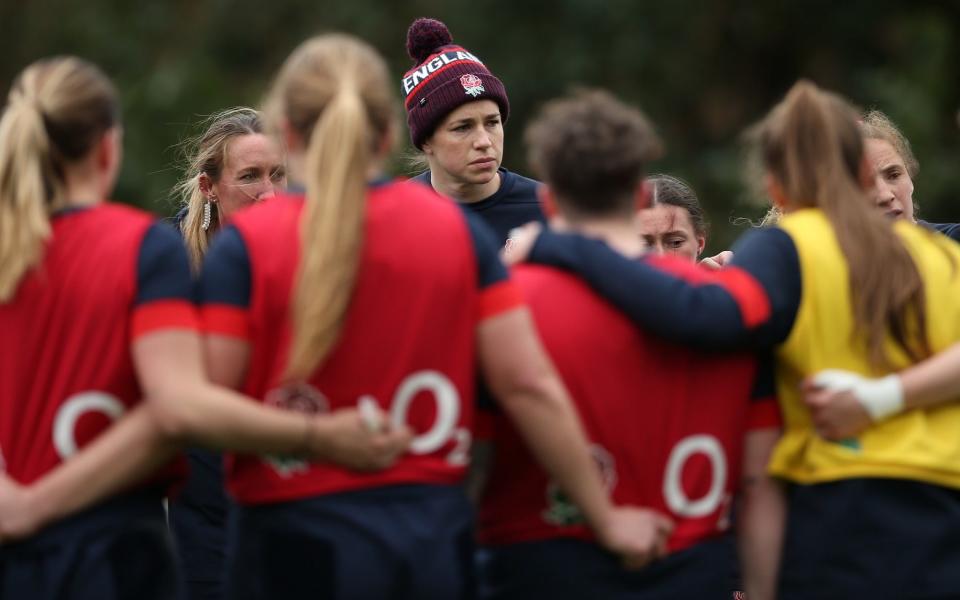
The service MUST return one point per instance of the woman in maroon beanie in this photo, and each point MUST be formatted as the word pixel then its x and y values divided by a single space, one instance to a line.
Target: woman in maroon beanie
pixel 456 109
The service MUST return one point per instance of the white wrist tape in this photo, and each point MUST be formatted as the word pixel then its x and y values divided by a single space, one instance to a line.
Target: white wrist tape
pixel 881 398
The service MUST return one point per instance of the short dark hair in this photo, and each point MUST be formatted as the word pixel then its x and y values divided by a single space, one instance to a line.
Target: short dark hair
pixel 667 189
pixel 592 149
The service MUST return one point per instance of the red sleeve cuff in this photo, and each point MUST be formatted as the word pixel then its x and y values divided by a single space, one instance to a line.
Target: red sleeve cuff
pixel 764 414
pixel 164 314
pixel 223 319
pixel 748 293
pixel 499 298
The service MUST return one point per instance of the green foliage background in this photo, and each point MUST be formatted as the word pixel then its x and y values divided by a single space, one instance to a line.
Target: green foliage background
pixel 702 70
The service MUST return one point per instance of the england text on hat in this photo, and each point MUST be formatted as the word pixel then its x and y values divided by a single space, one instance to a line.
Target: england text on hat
pixel 415 77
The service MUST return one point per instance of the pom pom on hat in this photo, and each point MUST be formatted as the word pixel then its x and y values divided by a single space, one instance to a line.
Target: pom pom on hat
pixel 424 37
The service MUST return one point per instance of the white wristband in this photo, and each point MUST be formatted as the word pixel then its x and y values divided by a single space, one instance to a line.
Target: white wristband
pixel 881 398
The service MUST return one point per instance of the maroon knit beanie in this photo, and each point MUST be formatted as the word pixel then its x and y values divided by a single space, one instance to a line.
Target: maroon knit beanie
pixel 444 77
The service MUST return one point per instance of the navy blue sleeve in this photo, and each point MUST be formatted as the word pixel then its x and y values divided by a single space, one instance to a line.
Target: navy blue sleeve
pixel 764 412
pixel 764 385
pixel 951 230
pixel 423 178
pixel 163 269
pixel 703 315
pixel 489 268
pixel 225 278
pixel 771 257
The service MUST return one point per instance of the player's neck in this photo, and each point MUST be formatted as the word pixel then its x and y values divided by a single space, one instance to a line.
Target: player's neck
pixel 620 233
pixel 464 191
pixel 83 189
pixel 88 180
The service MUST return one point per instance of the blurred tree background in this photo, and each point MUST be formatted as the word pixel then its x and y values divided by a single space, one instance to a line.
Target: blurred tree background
pixel 702 70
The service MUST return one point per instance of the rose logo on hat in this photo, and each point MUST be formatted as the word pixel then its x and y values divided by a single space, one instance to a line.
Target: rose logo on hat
pixel 472 84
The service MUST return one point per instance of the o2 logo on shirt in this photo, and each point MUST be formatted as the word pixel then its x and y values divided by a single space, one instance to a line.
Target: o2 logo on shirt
pixel 444 427
pixel 561 511
pixel 677 500
pixel 76 406
pixel 307 398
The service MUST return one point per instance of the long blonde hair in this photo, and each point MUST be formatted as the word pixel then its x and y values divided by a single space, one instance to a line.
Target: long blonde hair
pixel 57 109
pixel 206 154
pixel 810 143
pixel 334 91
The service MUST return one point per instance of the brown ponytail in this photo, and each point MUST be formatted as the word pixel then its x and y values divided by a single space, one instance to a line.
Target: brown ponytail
pixel 56 110
pixel 334 90
pixel 811 145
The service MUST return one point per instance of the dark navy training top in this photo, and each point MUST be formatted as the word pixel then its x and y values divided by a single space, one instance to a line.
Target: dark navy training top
pixel 951 230
pixel 513 205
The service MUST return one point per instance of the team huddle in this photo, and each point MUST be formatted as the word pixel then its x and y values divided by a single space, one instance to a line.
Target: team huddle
pixel 319 382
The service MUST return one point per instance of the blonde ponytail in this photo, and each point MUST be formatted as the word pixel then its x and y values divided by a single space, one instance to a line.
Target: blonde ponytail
pixel 335 92
pixel 24 223
pixel 331 229
pixel 76 103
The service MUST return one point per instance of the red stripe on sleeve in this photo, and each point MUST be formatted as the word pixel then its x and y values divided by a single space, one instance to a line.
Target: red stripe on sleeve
pixel 164 314
pixel 223 319
pixel 764 414
pixel 748 294
pixel 499 298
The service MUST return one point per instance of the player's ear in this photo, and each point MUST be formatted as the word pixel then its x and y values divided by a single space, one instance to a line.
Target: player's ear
pixel 775 191
pixel 291 138
pixel 207 187
pixel 548 202
pixel 642 195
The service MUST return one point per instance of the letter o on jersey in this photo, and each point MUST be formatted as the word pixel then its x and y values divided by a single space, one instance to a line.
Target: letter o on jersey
pixel 673 493
pixel 448 408
pixel 70 412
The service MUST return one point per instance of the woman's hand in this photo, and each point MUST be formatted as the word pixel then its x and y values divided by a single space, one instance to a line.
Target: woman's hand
pixel 361 439
pixel 520 243
pixel 843 404
pixel 638 535
pixel 717 261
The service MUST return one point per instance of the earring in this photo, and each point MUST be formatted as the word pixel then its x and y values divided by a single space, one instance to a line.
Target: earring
pixel 205 223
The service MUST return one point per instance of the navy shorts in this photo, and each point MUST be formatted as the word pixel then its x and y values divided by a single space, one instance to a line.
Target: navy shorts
pixel 118 550
pixel 872 538
pixel 571 569
pixel 411 542
pixel 198 520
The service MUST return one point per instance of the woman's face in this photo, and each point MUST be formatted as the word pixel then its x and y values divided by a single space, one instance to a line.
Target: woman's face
pixel 467 146
pixel 893 189
pixel 253 169
pixel 667 229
